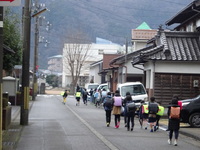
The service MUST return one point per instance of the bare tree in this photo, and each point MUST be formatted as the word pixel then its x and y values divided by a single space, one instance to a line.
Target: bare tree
pixel 75 53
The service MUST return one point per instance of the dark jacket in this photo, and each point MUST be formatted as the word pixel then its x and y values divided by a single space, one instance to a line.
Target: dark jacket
pixel 65 95
pixel 85 94
pixel 174 124
pixel 128 99
pixel 108 98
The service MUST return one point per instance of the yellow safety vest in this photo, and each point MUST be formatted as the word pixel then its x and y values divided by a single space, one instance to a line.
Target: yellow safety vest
pixel 145 109
pixel 78 94
pixel 161 110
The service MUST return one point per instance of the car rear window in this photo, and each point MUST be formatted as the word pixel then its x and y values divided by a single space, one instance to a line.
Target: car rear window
pixel 133 89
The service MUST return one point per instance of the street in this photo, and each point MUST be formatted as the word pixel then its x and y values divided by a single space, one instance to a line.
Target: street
pixel 53 125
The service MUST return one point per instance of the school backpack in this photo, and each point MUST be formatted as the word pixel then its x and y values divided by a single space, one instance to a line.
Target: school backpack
pixel 175 112
pixel 108 102
pixel 131 107
pixel 153 108
pixel 117 101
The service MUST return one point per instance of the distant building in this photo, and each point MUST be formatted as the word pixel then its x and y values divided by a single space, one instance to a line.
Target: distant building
pixel 55 65
pixel 141 35
pixel 95 53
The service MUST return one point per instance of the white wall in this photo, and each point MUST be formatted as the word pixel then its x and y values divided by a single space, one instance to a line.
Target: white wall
pixel 178 67
pixel 94 70
pixel 169 67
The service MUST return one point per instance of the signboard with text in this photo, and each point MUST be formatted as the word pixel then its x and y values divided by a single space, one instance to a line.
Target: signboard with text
pixel 10 2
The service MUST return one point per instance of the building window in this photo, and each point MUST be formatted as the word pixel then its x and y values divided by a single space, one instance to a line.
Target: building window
pixel 190 28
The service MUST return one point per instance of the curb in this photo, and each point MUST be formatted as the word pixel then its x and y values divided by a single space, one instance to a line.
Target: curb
pixel 189 135
pixel 181 131
pixel 11 136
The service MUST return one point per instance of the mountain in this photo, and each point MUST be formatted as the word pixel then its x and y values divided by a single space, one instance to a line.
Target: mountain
pixel 108 19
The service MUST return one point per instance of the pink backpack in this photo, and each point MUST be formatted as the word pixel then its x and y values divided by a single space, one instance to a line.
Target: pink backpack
pixel 117 101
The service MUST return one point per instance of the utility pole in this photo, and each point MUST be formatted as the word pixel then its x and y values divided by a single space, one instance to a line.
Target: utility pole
pixel 1 72
pixel 126 46
pixel 25 64
pixel 35 66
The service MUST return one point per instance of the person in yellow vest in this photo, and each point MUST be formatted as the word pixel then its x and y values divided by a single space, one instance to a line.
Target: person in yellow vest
pixel 143 115
pixel 65 97
pixel 78 97
pixel 159 114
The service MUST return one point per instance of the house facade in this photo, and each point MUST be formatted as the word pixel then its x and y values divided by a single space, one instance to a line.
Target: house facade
pixel 171 66
pixel 125 72
pixel 171 58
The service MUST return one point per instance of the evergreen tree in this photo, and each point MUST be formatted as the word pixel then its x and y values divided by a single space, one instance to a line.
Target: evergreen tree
pixel 12 39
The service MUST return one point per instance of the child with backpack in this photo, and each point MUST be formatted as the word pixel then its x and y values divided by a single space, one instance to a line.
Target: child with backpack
pixel 65 96
pixel 108 105
pixel 97 97
pixel 117 99
pixel 153 110
pixel 130 111
pixel 143 115
pixel 174 121
pixel 78 97
pixel 85 95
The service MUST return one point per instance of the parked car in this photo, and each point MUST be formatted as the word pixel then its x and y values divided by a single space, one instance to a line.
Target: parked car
pixel 103 86
pixel 190 112
pixel 136 89
pixel 90 86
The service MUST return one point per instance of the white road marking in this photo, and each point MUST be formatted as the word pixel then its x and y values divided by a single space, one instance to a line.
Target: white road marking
pixel 100 136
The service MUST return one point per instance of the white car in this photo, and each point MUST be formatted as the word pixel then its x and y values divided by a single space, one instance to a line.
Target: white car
pixel 103 86
pixel 90 86
pixel 136 89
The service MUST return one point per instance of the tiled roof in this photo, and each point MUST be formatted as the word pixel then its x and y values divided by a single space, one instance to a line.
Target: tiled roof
pixel 171 46
pixel 121 59
pixel 189 11
pixel 107 58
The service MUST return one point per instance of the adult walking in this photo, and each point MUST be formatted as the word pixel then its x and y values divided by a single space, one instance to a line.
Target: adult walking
pixel 108 105
pixel 117 99
pixel 174 121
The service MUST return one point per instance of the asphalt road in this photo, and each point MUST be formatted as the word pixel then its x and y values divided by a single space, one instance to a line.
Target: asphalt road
pixel 53 125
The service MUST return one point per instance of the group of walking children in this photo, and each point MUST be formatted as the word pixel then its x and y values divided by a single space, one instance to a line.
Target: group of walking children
pixel 150 114
pixel 114 105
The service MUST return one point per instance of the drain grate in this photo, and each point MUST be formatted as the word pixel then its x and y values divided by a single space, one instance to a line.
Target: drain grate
pixel 9 143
